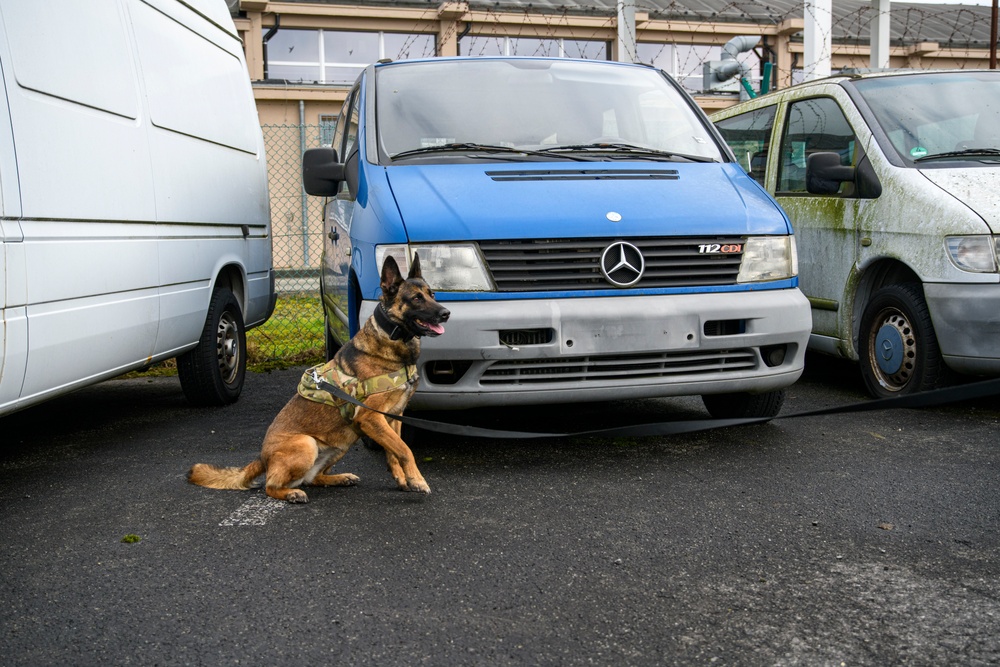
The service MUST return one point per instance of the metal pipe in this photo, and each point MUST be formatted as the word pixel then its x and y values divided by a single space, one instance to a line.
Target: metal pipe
pixel 267 36
pixel 993 37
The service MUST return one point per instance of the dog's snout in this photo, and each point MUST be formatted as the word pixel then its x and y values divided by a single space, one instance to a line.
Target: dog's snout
pixel 444 314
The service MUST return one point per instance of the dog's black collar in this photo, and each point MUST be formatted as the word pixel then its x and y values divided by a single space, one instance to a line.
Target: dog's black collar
pixel 392 329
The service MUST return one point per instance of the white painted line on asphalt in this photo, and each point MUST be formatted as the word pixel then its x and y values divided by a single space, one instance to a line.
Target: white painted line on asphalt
pixel 254 511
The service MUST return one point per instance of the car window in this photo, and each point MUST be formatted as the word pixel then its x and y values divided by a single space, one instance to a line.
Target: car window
pixel 749 135
pixel 341 127
pixel 352 126
pixel 347 132
pixel 936 113
pixel 535 104
pixel 812 126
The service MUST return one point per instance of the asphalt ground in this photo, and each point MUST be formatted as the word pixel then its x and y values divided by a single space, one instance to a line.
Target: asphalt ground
pixel 868 538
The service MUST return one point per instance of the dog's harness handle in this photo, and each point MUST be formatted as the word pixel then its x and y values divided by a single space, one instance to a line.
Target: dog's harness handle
pixel 346 391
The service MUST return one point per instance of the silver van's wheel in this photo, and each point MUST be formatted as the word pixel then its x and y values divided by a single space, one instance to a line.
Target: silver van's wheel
pixel 213 372
pixel 744 405
pixel 899 350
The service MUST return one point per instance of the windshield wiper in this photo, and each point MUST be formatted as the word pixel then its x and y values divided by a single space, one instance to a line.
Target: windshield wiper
pixel 481 148
pixel 626 149
pixel 967 152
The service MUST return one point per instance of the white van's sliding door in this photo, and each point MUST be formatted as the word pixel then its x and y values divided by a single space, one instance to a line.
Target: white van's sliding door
pixel 207 152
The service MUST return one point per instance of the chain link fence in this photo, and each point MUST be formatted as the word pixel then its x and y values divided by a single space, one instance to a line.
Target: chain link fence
pixel 294 334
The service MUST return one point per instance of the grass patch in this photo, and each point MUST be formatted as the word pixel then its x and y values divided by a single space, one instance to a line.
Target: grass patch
pixel 293 336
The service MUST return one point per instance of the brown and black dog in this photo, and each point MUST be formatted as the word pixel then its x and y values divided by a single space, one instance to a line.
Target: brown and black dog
pixel 309 437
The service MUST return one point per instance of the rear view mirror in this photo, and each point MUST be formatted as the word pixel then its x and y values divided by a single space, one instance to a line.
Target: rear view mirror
pixel 321 172
pixel 824 173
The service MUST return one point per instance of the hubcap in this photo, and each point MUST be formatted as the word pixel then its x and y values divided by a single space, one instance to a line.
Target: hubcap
pixel 889 349
pixel 227 348
pixel 892 350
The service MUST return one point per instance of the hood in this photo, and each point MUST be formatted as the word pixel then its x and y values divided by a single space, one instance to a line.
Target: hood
pixel 976 187
pixel 454 202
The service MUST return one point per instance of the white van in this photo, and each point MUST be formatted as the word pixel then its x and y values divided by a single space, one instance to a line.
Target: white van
pixel 133 192
pixel 891 181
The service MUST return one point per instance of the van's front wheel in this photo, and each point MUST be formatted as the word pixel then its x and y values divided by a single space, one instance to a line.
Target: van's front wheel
pixel 744 405
pixel 899 349
pixel 213 372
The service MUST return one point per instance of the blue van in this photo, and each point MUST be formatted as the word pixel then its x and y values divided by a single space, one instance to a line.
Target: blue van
pixel 588 229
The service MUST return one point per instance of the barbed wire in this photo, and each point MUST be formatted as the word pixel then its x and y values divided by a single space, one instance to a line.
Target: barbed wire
pixel 685 34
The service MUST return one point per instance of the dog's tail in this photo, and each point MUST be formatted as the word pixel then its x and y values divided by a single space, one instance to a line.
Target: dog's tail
pixel 238 479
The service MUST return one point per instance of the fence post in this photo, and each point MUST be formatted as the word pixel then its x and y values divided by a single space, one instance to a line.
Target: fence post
pixel 305 197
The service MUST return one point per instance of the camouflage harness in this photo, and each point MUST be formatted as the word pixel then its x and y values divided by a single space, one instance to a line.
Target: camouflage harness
pixel 311 385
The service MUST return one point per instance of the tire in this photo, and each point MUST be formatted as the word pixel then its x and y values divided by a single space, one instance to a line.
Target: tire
pixel 744 405
pixel 899 350
pixel 213 372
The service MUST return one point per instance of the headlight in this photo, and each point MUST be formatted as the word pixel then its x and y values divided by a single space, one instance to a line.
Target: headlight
pixel 446 268
pixel 768 258
pixel 974 253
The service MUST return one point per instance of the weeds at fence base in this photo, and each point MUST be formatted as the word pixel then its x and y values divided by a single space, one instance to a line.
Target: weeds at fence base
pixel 293 336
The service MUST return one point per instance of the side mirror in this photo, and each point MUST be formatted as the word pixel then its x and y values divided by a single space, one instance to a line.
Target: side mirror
pixel 321 172
pixel 824 173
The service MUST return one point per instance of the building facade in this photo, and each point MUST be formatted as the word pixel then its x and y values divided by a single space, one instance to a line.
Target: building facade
pixel 303 57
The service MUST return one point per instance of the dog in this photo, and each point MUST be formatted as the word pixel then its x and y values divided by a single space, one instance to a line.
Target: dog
pixel 308 437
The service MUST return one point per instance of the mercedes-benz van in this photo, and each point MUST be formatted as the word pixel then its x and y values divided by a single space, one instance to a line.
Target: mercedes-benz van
pixel 588 229
pixel 891 181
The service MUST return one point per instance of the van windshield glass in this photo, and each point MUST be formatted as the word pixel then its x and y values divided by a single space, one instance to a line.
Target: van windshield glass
pixel 551 109
pixel 938 117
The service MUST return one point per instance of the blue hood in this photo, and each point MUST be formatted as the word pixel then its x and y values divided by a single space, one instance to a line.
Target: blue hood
pixel 455 202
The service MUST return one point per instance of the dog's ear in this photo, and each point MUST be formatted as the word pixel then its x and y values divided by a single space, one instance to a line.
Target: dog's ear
pixel 415 268
pixel 391 277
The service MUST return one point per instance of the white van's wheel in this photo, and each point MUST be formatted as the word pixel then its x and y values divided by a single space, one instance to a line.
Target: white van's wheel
pixel 744 405
pixel 213 372
pixel 899 350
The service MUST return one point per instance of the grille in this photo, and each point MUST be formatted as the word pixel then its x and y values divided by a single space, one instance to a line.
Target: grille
pixel 574 264
pixel 618 367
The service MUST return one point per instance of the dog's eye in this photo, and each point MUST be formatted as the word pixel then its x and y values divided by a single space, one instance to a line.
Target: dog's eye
pixel 418 297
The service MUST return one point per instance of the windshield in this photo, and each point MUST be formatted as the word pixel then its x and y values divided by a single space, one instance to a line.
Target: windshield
pixel 451 109
pixel 938 117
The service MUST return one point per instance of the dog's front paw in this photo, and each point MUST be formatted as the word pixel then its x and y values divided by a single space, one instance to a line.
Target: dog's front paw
pixel 418 485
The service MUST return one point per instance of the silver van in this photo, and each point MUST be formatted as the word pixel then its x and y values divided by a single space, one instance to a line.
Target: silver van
pixel 891 182
pixel 133 191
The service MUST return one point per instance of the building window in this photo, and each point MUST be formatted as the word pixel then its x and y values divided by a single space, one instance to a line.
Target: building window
pixel 498 45
pixel 337 56
pixel 327 128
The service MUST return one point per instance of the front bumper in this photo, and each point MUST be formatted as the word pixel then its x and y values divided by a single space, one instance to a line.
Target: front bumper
pixel 966 321
pixel 589 349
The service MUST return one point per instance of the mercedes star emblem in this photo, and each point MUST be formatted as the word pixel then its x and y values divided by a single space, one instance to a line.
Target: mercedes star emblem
pixel 622 264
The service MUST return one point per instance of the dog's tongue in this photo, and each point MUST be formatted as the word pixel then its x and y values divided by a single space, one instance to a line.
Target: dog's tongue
pixel 436 328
